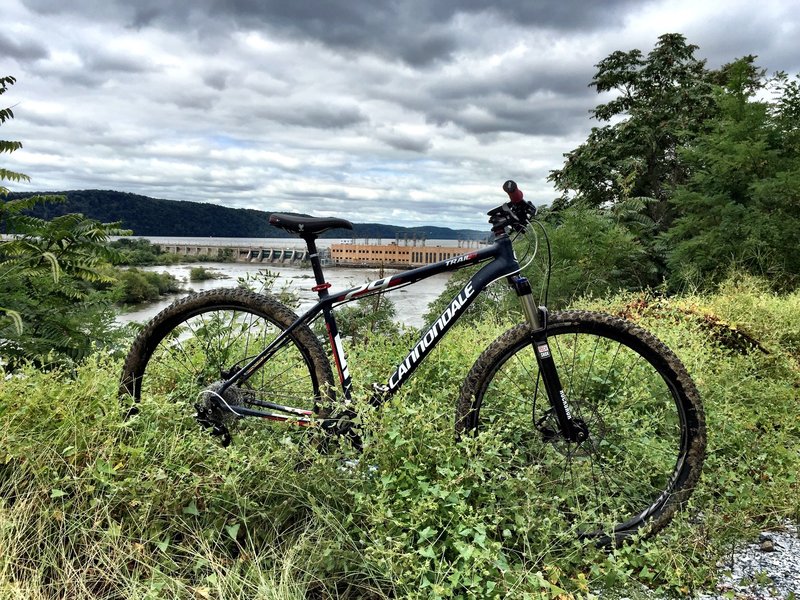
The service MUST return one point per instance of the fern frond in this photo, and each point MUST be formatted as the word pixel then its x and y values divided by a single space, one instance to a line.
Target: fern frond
pixel 7 175
pixel 19 204
pixel 19 247
pixel 23 225
pixel 6 81
pixel 86 272
pixel 20 258
pixel 6 146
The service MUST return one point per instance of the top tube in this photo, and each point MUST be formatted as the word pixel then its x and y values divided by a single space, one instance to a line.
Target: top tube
pixel 418 274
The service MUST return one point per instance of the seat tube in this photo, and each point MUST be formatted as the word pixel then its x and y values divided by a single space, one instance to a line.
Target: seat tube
pixel 337 350
pixel 316 266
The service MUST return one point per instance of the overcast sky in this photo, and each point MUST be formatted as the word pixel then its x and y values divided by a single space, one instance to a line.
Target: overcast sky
pixel 404 112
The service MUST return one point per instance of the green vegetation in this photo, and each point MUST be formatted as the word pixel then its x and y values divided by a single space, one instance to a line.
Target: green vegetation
pixel 741 204
pixel 139 252
pixel 53 276
pixel 368 318
pixel 699 167
pixel 133 286
pixel 203 274
pixel 265 281
pixel 91 505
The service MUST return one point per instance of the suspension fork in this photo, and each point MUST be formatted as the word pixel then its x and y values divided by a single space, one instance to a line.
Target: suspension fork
pixel 572 429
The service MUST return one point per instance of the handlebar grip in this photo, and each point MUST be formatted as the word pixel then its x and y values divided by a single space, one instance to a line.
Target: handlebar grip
pixel 514 193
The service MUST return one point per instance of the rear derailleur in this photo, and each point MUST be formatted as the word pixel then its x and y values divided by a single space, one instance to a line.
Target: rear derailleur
pixel 214 412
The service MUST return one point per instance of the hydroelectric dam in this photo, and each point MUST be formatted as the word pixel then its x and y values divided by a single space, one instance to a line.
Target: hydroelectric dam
pixel 252 254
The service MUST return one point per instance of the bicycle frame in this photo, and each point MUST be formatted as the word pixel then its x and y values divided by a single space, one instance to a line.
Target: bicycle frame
pixel 502 263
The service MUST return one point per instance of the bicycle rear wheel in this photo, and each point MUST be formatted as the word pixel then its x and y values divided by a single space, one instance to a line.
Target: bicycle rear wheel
pixel 646 429
pixel 193 345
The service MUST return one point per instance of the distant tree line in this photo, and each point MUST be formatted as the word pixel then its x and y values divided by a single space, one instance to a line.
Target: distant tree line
pixel 138 252
pixel 151 216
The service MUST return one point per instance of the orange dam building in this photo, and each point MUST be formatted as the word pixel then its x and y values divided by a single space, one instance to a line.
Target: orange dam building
pixel 391 255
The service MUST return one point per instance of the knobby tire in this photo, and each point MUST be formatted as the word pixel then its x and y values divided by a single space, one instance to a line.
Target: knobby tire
pixel 186 348
pixel 646 441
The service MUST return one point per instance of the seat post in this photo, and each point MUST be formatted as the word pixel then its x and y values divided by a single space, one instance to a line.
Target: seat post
pixel 316 265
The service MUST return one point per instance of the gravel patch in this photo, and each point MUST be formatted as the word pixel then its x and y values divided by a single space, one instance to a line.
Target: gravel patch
pixel 768 569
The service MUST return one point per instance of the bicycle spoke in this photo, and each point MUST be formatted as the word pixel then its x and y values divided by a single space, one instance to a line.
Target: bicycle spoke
pixel 195 350
pixel 634 432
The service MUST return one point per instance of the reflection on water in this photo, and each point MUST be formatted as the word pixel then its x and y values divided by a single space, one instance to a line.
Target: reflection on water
pixel 410 302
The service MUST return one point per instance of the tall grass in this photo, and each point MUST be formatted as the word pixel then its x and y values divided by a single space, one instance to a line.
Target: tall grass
pixel 92 506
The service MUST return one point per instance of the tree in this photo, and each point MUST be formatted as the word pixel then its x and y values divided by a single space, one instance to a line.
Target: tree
pixel 740 207
pixel 592 254
pixel 683 142
pixel 661 102
pixel 6 175
pixel 52 274
pixel 8 146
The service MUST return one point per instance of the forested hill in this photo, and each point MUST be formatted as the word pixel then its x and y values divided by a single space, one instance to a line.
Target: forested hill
pixel 152 216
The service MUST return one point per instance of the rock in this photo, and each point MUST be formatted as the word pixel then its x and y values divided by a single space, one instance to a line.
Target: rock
pixel 767 545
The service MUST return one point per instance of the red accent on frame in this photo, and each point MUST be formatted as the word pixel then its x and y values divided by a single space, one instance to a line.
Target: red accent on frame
pixel 320 287
pixel 335 352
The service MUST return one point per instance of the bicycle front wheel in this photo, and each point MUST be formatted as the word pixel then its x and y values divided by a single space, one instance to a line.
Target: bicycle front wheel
pixel 199 341
pixel 646 431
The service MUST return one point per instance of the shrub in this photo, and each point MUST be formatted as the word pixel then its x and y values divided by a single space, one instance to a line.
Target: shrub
pixel 150 507
pixel 135 286
pixel 202 274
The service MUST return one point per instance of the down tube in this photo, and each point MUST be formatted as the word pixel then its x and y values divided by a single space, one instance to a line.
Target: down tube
pixel 459 304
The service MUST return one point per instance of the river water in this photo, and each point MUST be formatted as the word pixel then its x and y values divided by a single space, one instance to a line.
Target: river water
pixel 410 302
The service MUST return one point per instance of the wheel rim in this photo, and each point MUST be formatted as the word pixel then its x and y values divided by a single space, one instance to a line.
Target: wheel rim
pixel 200 348
pixel 626 469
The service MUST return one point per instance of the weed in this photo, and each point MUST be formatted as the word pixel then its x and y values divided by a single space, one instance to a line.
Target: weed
pixel 93 506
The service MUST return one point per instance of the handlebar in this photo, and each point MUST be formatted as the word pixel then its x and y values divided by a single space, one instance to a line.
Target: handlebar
pixel 517 213
pixel 514 193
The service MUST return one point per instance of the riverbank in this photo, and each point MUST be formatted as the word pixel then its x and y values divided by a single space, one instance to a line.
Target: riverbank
pixel 411 303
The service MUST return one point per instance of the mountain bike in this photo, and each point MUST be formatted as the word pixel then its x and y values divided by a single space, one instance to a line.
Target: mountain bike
pixel 601 413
